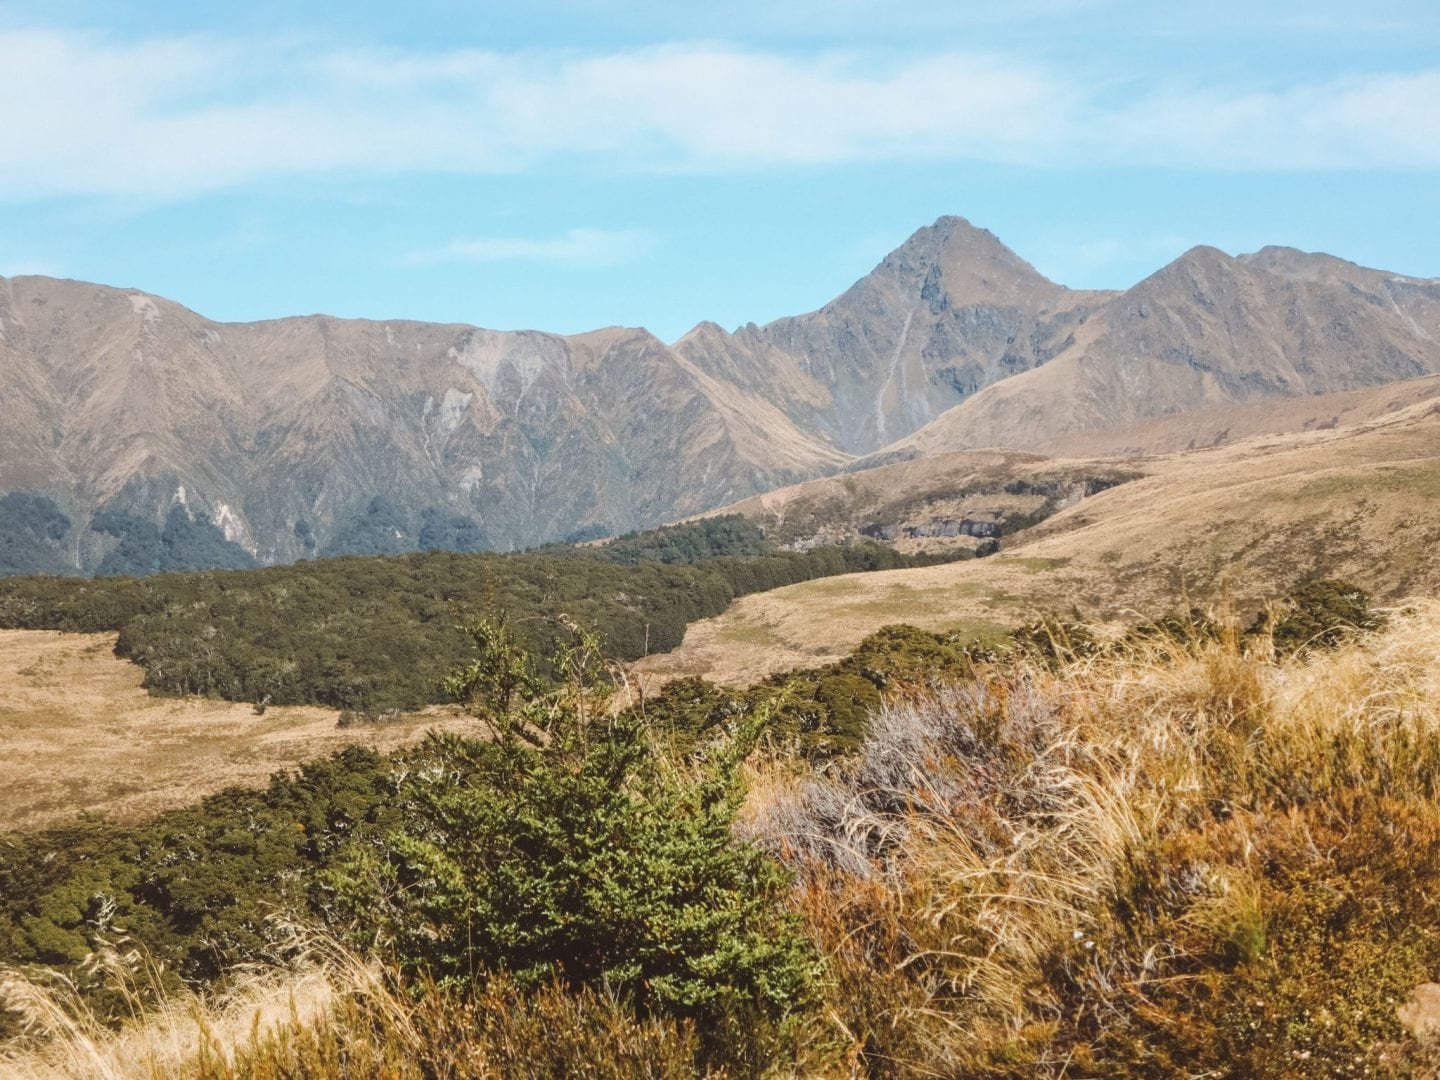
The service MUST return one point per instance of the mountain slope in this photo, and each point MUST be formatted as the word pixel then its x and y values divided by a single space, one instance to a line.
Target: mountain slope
pixel 129 401
pixel 1243 521
pixel 950 311
pixel 971 500
pixel 154 438
pixel 1208 331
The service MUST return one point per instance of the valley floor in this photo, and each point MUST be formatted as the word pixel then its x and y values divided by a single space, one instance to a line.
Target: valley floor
pixel 78 733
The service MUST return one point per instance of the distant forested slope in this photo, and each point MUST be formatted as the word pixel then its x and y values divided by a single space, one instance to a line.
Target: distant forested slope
pixel 379 632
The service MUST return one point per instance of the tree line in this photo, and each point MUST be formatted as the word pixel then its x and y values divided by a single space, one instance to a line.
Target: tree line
pixel 380 632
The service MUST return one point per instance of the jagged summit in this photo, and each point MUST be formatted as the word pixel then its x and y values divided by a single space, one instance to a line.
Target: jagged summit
pixel 973 264
pixel 948 312
pixel 705 328
pixel 1206 331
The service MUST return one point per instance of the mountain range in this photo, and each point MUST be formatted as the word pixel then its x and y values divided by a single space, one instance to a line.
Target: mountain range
pixel 139 435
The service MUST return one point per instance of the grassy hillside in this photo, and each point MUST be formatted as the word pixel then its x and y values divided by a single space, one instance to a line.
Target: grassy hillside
pixel 972 500
pixel 1246 520
pixel 78 733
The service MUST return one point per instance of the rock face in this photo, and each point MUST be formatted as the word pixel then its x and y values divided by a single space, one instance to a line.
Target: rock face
pixel 949 312
pixel 285 434
pixel 303 436
pixel 1208 331
pixel 940 504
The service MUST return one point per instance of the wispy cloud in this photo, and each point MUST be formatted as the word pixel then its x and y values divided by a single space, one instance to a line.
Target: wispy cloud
pixel 576 247
pixel 175 116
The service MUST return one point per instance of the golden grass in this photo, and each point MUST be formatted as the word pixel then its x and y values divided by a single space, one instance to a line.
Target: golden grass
pixel 1187 862
pixel 1202 428
pixel 1248 519
pixel 166 1038
pixel 333 1015
pixel 77 732
pixel 1175 860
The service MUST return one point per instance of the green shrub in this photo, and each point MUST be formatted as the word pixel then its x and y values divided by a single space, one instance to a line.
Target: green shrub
pixel 1321 614
pixel 819 712
pixel 565 848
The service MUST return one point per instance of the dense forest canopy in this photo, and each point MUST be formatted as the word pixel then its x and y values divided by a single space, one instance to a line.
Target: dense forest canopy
pixel 379 632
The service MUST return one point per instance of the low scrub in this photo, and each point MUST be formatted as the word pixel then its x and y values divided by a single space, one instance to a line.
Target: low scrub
pixel 332 1014
pixel 1194 851
pixel 1187 858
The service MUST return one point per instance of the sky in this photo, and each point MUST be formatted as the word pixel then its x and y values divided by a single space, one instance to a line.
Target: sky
pixel 568 164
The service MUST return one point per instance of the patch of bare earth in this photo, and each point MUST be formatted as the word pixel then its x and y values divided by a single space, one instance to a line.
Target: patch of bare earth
pixel 78 733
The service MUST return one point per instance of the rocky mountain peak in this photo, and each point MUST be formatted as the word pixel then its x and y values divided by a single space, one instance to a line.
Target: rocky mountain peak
pixel 705 330
pixel 1296 265
pixel 970 264
pixel 1199 257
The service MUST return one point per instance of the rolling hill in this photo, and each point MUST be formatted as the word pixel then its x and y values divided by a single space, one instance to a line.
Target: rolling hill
pixel 1234 523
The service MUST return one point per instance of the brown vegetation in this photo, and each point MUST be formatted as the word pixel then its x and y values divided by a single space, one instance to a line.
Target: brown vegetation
pixel 1177 861
pixel 1248 520
pixel 1199 859
pixel 77 732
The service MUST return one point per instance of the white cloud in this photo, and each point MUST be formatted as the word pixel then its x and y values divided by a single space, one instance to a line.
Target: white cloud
pixel 170 117
pixel 576 247
pixel 1384 121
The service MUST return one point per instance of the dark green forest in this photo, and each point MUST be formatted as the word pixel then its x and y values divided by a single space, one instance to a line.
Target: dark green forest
pixel 37 537
pixel 33 533
pixel 379 632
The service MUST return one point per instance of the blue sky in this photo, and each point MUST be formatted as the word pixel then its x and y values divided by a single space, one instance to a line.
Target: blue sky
pixel 571 164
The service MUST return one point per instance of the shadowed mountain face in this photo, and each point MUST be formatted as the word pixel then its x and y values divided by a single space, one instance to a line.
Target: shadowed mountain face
pixel 283 439
pixel 317 434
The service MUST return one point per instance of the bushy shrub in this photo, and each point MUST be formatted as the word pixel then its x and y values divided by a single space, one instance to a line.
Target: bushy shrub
pixel 1321 614
pixel 564 848
pixel 821 713
pixel 580 861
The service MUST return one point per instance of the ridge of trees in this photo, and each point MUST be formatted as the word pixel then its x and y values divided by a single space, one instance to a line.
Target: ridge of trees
pixel 380 632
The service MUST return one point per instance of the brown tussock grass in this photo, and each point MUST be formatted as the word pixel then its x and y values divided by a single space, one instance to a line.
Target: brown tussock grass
pixel 1249 519
pixel 170 1032
pixel 1173 861
pixel 333 1015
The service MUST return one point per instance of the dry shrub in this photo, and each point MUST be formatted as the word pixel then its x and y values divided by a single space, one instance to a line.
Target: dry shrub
pixel 500 1033
pixel 168 1032
pixel 1186 858
pixel 333 1015
pixel 341 1017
